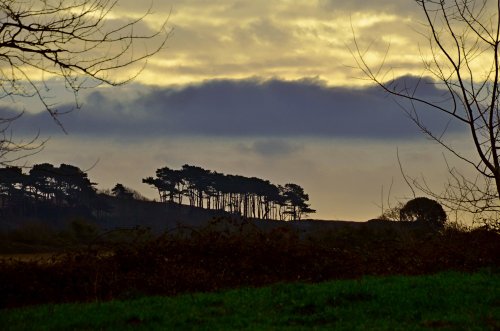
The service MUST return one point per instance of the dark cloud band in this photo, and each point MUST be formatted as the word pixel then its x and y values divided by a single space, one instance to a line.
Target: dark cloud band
pixel 245 108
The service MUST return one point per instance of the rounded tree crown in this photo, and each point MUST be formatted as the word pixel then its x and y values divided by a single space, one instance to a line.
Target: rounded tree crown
pixel 423 210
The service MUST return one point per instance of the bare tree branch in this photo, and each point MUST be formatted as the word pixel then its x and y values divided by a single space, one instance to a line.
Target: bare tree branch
pixel 463 35
pixel 74 40
pixel 11 150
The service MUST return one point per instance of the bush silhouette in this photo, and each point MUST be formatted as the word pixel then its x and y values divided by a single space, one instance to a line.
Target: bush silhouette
pixel 423 210
pixel 83 231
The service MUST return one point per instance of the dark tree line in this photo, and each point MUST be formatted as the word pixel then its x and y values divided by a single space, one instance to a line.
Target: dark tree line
pixel 246 196
pixel 67 186
pixel 64 186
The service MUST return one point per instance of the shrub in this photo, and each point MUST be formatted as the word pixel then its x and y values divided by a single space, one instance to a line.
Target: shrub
pixel 83 231
pixel 33 233
pixel 391 214
pixel 423 210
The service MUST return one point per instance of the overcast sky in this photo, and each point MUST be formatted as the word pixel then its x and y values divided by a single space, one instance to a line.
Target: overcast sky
pixel 260 88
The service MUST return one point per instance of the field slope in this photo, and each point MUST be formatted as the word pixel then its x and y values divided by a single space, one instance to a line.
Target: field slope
pixel 445 301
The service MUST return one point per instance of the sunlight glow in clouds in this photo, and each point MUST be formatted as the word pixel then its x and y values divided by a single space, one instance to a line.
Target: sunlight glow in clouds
pixel 285 39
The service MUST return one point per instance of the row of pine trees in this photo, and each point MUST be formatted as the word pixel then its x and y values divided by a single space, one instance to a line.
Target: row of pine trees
pixel 247 196
pixel 69 186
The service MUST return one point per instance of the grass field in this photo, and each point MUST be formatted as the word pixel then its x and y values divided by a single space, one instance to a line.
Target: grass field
pixel 445 301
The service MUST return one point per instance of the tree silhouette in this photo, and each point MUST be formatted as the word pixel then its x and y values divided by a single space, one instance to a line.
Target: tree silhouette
pixel 45 186
pixel 42 181
pixel 464 40
pixel 77 187
pixel 295 201
pixel 423 210
pixel 64 185
pixel 198 183
pixel 169 184
pixel 72 40
pixel 121 192
pixel 246 196
pixel 12 185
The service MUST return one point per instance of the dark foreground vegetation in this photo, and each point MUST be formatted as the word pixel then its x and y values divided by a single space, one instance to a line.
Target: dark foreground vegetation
pixel 230 253
pixel 448 301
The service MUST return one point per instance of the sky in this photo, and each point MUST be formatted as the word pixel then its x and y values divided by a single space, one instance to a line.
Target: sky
pixel 260 88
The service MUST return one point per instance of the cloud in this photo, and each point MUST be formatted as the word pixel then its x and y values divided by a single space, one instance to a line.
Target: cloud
pixel 270 148
pixel 245 108
pixel 400 7
pixel 235 39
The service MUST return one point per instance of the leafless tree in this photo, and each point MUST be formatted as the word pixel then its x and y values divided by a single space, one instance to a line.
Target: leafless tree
pixel 464 39
pixel 17 149
pixel 76 41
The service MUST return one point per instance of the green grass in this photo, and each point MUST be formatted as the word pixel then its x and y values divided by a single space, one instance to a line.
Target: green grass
pixel 446 301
